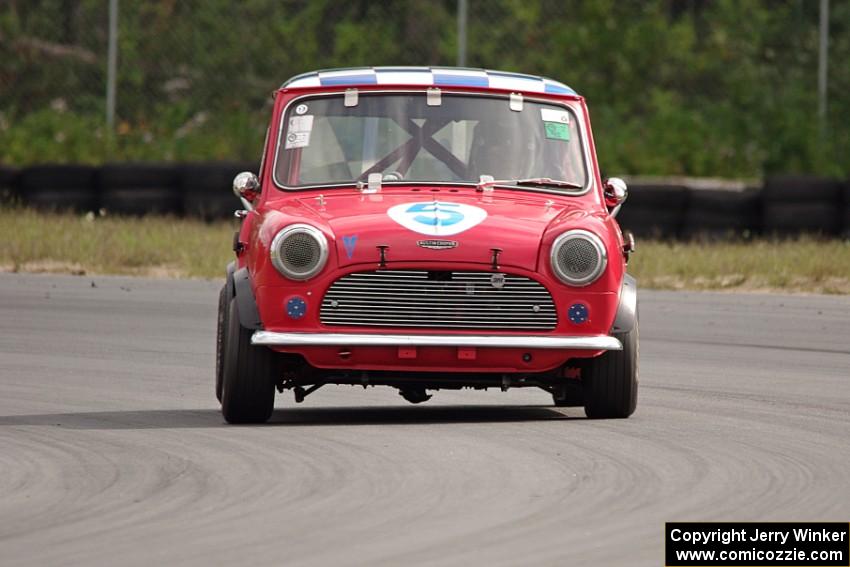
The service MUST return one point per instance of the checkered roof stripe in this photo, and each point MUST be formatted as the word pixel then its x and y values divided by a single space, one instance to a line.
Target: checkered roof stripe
pixel 429 76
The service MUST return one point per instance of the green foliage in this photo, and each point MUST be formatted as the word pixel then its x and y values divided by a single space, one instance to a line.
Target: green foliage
pixel 693 87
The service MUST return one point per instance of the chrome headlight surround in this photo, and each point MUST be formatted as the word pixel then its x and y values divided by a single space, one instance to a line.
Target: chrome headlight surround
pixel 291 230
pixel 598 245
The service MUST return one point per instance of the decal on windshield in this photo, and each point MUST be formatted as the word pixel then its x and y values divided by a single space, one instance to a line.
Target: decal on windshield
pixel 553 115
pixel 556 123
pixel 557 131
pixel 437 218
pixel 298 134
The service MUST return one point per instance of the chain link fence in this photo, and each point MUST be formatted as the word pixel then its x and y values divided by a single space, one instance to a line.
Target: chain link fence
pixel 675 86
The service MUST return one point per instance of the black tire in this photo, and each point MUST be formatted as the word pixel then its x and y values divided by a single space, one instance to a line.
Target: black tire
pixel 140 189
pixel 650 223
pixel 845 219
pixel 802 189
pixel 654 211
pixel 722 213
pixel 140 201
pixel 130 175
pixel 224 298
pixel 248 375
pixel 59 187
pixel 8 184
pixel 207 189
pixel 658 197
pixel 610 381
pixel 794 218
pixel 801 204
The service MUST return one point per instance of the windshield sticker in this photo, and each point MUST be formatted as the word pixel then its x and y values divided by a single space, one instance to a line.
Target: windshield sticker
pixel 554 115
pixel 301 109
pixel 298 135
pixel 437 218
pixel 557 131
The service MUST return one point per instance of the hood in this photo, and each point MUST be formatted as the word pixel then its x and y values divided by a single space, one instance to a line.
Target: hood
pixel 449 225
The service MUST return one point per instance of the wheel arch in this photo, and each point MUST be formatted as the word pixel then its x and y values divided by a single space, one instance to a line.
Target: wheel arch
pixel 249 315
pixel 627 310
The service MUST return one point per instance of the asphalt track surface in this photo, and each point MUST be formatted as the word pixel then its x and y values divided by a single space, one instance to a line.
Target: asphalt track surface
pixel 113 450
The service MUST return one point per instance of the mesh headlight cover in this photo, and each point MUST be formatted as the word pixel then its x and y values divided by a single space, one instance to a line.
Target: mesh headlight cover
pixel 299 251
pixel 578 257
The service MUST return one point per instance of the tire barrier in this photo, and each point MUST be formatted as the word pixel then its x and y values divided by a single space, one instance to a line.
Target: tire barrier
pixel 59 187
pixel 654 211
pixel 798 204
pixel 8 184
pixel 207 188
pixel 139 189
pixel 717 213
pixel 846 219
pixel 656 208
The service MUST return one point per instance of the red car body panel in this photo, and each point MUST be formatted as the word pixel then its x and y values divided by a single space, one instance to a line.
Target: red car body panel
pixel 523 223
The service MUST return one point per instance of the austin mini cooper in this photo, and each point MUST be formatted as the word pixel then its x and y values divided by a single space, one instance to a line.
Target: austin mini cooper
pixel 424 229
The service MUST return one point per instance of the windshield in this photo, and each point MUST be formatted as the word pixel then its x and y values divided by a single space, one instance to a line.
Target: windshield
pixel 402 137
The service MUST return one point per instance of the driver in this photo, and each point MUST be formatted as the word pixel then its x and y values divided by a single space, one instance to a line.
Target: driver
pixel 497 151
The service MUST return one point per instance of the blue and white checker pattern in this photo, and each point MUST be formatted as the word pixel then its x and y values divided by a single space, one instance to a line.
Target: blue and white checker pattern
pixel 429 76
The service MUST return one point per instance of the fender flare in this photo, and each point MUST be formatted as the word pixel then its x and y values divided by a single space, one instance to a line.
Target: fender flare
pixel 231 268
pixel 627 311
pixel 249 315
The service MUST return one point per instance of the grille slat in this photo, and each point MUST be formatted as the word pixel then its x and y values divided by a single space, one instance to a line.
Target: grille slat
pixel 445 293
pixel 433 300
pixel 428 307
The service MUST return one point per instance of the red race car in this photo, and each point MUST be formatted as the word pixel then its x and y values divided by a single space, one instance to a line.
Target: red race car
pixel 427 228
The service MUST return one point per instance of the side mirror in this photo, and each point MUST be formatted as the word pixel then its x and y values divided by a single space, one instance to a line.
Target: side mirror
pixel 616 193
pixel 246 186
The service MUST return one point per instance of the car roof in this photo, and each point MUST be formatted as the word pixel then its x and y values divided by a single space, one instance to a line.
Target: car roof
pixel 428 76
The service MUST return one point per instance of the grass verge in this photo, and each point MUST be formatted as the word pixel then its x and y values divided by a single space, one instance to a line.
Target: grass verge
pixel 88 244
pixel 171 247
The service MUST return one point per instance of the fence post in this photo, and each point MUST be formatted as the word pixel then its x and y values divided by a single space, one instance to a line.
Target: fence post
pixel 823 54
pixel 461 33
pixel 111 66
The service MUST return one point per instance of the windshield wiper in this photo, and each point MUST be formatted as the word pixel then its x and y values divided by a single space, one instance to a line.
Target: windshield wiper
pixel 531 182
pixel 547 182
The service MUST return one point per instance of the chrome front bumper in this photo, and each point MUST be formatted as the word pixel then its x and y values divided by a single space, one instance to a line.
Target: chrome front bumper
pixel 593 342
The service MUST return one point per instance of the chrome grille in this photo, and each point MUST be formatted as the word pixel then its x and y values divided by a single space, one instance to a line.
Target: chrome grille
pixel 438 300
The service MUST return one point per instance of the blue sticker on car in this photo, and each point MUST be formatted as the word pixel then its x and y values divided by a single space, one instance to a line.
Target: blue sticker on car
pixel 296 307
pixel 349 242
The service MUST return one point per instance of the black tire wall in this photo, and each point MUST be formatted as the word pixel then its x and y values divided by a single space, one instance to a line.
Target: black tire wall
pixel 715 213
pixel 798 204
pixel 140 189
pixel 654 211
pixel 9 177
pixel 208 188
pixel 785 206
pixel 846 220
pixel 59 187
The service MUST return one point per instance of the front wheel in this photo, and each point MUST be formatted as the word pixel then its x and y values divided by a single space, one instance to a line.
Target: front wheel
pixel 248 374
pixel 610 381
